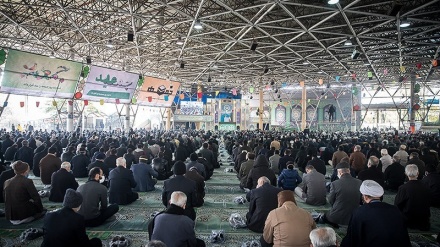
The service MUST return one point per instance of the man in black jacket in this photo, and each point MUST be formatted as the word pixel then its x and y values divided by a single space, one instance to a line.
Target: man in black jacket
pixel 80 162
pixel 5 175
pixel 394 175
pixel 110 161
pixel 25 153
pixel 121 182
pixel 7 142
pixel 99 162
pixel 262 200
pixel 61 181
pixel 413 200
pixel 65 227
pixel 260 169
pixel 180 183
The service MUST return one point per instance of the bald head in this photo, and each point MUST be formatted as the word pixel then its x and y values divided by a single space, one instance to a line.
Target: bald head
pixel 324 236
pixel 262 180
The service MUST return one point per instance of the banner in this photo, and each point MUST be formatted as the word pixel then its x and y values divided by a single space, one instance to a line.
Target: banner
pixel 109 85
pixel 191 108
pixel 37 75
pixel 192 118
pixel 156 89
pixel 279 117
pixel 226 112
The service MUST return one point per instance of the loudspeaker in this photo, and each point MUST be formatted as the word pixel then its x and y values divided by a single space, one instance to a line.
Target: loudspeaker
pixel 182 65
pixel 216 128
pixel 130 36
pixel 254 46
pixel 89 60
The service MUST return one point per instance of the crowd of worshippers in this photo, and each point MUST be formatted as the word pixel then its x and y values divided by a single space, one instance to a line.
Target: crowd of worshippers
pixel 273 167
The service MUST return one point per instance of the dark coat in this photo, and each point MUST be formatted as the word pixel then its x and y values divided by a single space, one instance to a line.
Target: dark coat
pixel 5 175
pixel 65 228
pixel 121 181
pixel 262 200
pixel 110 161
pixel 48 165
pixel 282 164
pixel 376 224
pixel 318 164
pixel 25 154
pixel 36 161
pixel 208 155
pixel 80 163
pixel 61 181
pixel 129 159
pixel 394 176
pixel 18 192
pixel 261 168
pixel 372 173
pixel 181 153
pixel 6 143
pixel 200 186
pixel 432 181
pixel 143 175
pixel 289 179
pixel 187 186
pixel 413 200
pixel 10 153
pixel 67 156
pixel 101 165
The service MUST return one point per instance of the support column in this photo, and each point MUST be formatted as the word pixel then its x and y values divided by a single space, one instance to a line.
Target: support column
pixel 412 121
pixel 83 122
pixel 168 120
pixel 127 117
pixel 304 108
pixel 261 112
pixel 70 115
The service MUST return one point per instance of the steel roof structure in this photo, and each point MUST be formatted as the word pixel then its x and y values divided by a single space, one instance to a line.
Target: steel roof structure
pixel 295 39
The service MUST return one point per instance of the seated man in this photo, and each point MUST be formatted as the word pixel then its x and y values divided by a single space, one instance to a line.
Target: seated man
pixel 372 172
pixel 313 189
pixel 260 169
pixel 376 223
pixel 121 182
pixel 415 160
pixel 61 181
pixel 161 166
pixel 180 183
pixel 193 163
pixel 65 227
pixel 262 200
pixel 22 202
pixel 413 200
pixel 344 197
pixel 80 162
pixel 172 226
pixel 144 175
pixel 323 237
pixel 287 225
pixel 432 181
pixel 394 175
pixel 5 175
pixel 48 165
pixel 245 167
pixel 289 178
pixel 94 209
pixel 194 175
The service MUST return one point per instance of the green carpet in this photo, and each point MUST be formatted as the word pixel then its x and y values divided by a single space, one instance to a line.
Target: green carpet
pixel 132 220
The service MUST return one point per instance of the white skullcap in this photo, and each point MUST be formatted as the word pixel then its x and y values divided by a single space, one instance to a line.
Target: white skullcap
pixel 371 188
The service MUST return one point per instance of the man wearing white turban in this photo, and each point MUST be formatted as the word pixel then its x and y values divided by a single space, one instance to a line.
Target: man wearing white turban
pixel 376 223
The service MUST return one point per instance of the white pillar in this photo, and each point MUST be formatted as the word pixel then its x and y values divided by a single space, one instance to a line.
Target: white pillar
pixel 84 119
pixel 127 117
pixel 70 115
pixel 168 120
pixel 304 107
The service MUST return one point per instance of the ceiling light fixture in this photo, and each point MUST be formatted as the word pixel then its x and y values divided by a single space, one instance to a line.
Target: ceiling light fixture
pixel 198 25
pixel 109 44
pixel 333 1
pixel 404 22
pixel 348 42
pixel 305 62
pixel 89 60
pixel 179 41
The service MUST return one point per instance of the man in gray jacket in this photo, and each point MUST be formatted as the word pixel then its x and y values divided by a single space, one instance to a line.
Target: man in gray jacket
pixel 94 207
pixel 312 190
pixel 344 197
